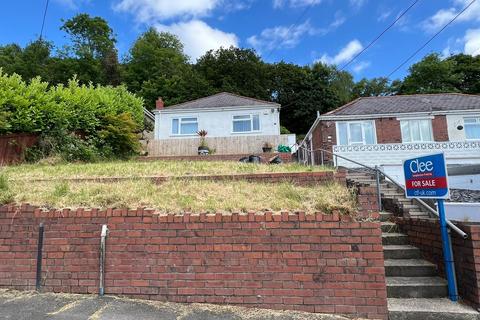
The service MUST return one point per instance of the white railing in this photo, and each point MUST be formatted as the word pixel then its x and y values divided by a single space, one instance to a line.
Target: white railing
pixel 467 152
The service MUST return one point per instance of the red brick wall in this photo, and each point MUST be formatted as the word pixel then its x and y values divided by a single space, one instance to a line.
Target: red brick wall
pixel 440 128
pixel 425 234
pixel 286 157
pixel 388 130
pixel 317 263
pixel 297 178
pixel 324 136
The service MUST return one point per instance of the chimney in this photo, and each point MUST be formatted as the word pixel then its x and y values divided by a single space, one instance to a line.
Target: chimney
pixel 159 104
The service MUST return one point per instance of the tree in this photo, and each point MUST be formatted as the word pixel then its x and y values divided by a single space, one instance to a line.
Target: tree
pixel 235 70
pixel 466 68
pixel 431 75
pixel 157 67
pixel 373 87
pixel 93 45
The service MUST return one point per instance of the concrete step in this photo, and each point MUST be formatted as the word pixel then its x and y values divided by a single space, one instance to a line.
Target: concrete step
pixel 429 309
pixel 416 287
pixel 401 252
pixel 409 268
pixel 385 216
pixel 394 238
pixel 390 227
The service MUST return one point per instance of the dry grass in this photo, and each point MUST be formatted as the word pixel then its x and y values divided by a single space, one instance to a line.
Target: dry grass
pixel 153 168
pixel 180 196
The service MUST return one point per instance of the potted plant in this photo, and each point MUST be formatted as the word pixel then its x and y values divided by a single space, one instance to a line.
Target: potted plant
pixel 267 147
pixel 203 148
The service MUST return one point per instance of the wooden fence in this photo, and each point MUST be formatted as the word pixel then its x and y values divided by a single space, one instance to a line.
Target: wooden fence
pixel 13 146
pixel 222 145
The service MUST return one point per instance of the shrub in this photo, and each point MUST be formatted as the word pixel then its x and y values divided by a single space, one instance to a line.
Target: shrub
pixel 76 122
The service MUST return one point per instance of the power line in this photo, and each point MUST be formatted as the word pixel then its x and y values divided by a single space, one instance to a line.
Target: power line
pixel 293 25
pixel 431 38
pixel 380 35
pixel 43 21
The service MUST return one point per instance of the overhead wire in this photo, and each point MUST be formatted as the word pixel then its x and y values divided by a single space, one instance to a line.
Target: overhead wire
pixel 380 35
pixel 431 38
pixel 43 20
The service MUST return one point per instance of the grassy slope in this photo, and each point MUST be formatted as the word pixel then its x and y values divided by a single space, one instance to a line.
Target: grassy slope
pixel 135 169
pixel 171 196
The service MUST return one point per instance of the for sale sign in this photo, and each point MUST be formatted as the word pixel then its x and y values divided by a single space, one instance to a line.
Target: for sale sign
pixel 426 177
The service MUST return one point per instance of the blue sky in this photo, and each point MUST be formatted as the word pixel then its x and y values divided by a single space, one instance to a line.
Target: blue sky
pixel 299 31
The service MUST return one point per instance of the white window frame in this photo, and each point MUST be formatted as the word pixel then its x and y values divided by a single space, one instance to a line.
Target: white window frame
pixel 361 122
pixel 250 115
pixel 431 138
pixel 182 120
pixel 477 120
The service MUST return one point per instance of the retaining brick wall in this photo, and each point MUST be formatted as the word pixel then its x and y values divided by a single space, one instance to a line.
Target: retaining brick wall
pixel 286 157
pixel 298 178
pixel 317 263
pixel 425 234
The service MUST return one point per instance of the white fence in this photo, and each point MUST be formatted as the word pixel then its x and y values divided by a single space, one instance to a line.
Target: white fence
pixel 222 145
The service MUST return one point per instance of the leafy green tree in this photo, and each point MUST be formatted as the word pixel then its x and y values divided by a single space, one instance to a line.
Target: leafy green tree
pixel 466 68
pixel 373 87
pixel 235 70
pixel 431 75
pixel 157 67
pixel 93 45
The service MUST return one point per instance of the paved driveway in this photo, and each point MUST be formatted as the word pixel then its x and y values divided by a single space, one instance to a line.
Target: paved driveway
pixel 23 305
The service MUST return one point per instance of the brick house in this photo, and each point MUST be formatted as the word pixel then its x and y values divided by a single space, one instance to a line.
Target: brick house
pixel 383 131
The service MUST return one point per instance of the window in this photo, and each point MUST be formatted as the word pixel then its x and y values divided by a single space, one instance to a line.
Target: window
pixel 246 123
pixel 357 132
pixel 416 130
pixel 184 126
pixel 472 128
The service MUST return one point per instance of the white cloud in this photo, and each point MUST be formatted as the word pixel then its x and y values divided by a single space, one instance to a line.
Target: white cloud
pixel 472 42
pixel 357 3
pixel 72 4
pixel 359 67
pixel 198 37
pixel 443 16
pixel 148 10
pixel 280 36
pixel 384 16
pixel 344 55
pixel 295 3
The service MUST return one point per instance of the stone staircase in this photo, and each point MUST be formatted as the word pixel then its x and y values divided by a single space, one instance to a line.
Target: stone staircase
pixel 414 289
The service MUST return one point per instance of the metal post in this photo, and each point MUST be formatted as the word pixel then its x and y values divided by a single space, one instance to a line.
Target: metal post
pixel 101 290
pixel 38 282
pixel 321 156
pixel 447 253
pixel 379 193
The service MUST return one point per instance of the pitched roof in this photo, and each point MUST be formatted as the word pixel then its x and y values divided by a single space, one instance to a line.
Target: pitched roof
pixel 223 99
pixel 408 104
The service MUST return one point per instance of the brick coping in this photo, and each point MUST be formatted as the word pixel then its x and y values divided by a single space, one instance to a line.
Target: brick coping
pixel 235 176
pixel 26 210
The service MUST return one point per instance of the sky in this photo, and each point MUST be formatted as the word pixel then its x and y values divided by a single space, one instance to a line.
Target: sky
pixel 297 31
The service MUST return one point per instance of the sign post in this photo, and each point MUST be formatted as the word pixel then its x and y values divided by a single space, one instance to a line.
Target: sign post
pixel 426 177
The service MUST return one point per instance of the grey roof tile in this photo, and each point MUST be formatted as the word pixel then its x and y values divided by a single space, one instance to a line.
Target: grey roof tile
pixel 408 104
pixel 223 99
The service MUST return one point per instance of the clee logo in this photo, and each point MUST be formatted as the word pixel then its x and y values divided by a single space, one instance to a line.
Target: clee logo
pixel 417 166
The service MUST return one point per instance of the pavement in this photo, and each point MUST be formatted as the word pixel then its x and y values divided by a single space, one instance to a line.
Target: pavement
pixel 23 305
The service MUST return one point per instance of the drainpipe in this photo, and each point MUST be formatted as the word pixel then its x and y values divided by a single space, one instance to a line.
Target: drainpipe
pixel 103 236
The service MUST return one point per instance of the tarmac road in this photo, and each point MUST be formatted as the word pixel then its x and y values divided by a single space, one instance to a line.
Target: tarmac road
pixel 30 305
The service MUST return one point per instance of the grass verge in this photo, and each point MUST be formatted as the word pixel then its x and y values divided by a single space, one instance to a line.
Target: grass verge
pixel 153 168
pixel 180 196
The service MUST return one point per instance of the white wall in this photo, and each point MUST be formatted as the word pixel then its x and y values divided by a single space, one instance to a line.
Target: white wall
pixel 218 123
pixel 465 212
pixel 453 121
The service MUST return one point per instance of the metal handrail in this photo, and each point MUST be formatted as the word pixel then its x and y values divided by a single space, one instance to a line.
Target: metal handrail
pixel 376 170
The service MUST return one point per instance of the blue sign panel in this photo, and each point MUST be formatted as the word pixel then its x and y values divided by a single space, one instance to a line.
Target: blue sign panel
pixel 426 177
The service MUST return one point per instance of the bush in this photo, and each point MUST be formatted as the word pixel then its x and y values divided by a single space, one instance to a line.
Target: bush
pixel 76 122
